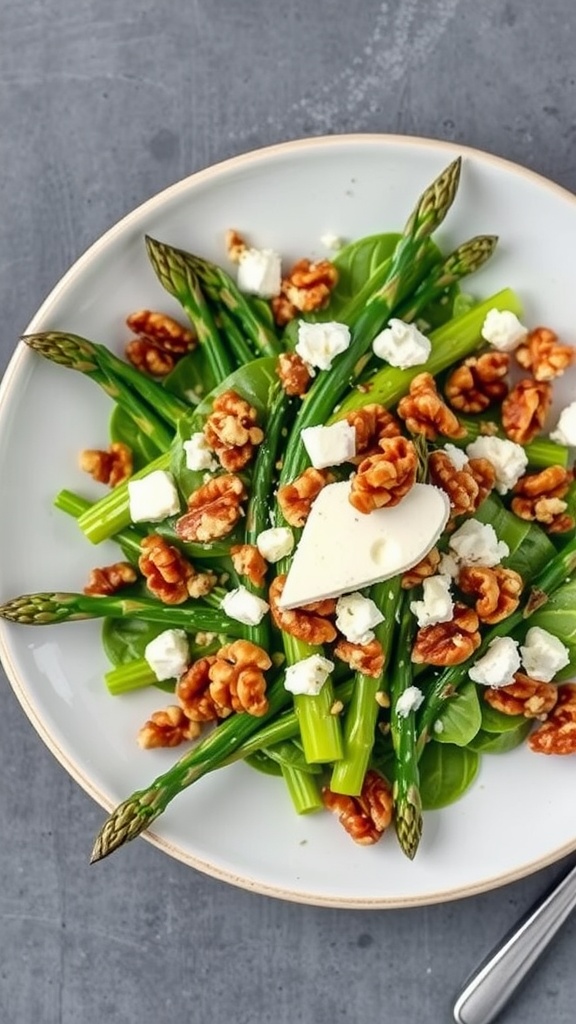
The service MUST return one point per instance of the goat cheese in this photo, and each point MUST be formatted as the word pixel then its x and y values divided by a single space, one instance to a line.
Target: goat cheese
pixel 319 343
pixel 437 604
pixel 503 330
pixel 508 458
pixel 448 565
pixel 355 616
pixel 259 272
pixel 198 455
pixel 457 456
pixel 543 654
pixel 308 675
pixel 342 550
pixel 401 345
pixel 565 430
pixel 330 446
pixel 476 543
pixel 153 497
pixel 331 241
pixel 275 543
pixel 244 606
pixel 168 654
pixel 498 666
pixel 409 701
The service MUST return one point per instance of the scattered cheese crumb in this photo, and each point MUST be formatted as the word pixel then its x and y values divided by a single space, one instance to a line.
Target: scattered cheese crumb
pixel 437 604
pixel 409 701
pixel 498 666
pixel 243 606
pixel 476 543
pixel 259 272
pixel 503 330
pixel 355 617
pixel 153 497
pixel 565 430
pixel 275 543
pixel 543 654
pixel 308 675
pixel 168 654
pixel 457 456
pixel 330 446
pixel 319 343
pixel 508 458
pixel 448 565
pixel 331 241
pixel 401 345
pixel 198 454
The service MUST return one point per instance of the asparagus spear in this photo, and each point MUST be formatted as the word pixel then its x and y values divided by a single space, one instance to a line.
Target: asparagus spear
pixel 407 802
pixel 465 260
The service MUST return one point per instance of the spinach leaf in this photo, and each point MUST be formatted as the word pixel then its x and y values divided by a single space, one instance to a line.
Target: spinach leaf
pixel 500 743
pixel 122 428
pixel 530 548
pixel 494 721
pixel 124 640
pixel 192 378
pixel 461 717
pixel 446 772
pixel 558 616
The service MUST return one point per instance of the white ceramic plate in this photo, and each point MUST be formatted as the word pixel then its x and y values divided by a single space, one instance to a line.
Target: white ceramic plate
pixel 237 824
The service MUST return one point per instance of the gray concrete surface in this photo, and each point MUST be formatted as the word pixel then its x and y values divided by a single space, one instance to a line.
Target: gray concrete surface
pixel 101 105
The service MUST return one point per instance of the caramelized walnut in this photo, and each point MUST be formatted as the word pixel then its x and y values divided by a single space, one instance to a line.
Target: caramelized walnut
pixel 166 333
pixel 305 288
pixel 384 479
pixel 497 591
pixel 525 409
pixel 366 658
pixel 110 578
pixel 367 816
pixel 235 245
pixel 213 509
pixel 193 692
pixel 424 411
pixel 110 467
pixel 478 382
pixel 485 476
pixel 538 496
pixel 427 566
pixel 372 424
pixel 167 728
pixel 248 561
pixel 308 623
pixel 448 643
pixel 557 735
pixel 169 575
pixel 294 375
pixel 231 432
pixel 148 358
pixel 525 696
pixel 295 499
pixel 459 484
pixel 544 355
pixel 237 680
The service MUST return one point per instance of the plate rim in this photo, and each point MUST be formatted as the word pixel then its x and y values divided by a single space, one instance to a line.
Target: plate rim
pixel 17 364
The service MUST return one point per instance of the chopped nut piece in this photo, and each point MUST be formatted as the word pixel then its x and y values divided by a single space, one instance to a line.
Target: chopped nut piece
pixel 497 591
pixel 110 578
pixel 373 423
pixel 384 479
pixel 426 567
pixel 235 245
pixel 367 816
pixel 248 561
pixel 305 288
pixel 295 499
pixel 165 332
pixel 366 658
pixel 169 575
pixel 231 432
pixel 309 623
pixel 167 728
pixel 112 467
pixel 459 484
pixel 237 680
pixel 484 474
pixel 538 496
pixel 525 409
pixel 193 692
pixel 544 355
pixel 448 643
pixel 525 696
pixel 148 358
pixel 424 411
pixel 478 382
pixel 213 509
pixel 294 375
pixel 558 734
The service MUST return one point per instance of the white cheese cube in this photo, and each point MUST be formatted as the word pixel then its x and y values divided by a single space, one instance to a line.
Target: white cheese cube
pixel 259 272
pixel 565 430
pixel 244 606
pixel 437 604
pixel 543 654
pixel 355 617
pixel 409 701
pixel 508 458
pixel 476 543
pixel 168 654
pixel 198 455
pixel 503 330
pixel 153 497
pixel 308 675
pixel 331 241
pixel 330 446
pixel 401 345
pixel 318 344
pixel 498 665
pixel 275 543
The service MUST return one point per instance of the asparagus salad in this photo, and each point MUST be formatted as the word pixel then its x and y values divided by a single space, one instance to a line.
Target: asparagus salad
pixel 346 543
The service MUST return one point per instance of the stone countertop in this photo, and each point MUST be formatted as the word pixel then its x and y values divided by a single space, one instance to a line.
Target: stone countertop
pixel 101 106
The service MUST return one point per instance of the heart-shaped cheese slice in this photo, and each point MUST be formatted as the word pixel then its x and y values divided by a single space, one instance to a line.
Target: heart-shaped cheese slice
pixel 342 550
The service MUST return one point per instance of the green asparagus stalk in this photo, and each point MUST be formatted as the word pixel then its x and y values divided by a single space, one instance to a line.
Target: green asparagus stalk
pixel 407 802
pixel 177 273
pixel 465 260
pixel 111 514
pixel 541 451
pixel 234 335
pixel 74 505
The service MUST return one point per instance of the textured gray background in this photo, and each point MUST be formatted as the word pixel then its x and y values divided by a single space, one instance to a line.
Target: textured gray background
pixel 101 105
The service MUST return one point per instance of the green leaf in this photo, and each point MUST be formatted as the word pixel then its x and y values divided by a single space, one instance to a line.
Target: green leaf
pixel 530 548
pixel 461 717
pixel 446 772
pixel 558 616
pixel 262 763
pixel 124 640
pixel 500 743
pixel 192 377
pixel 122 428
pixel 494 721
